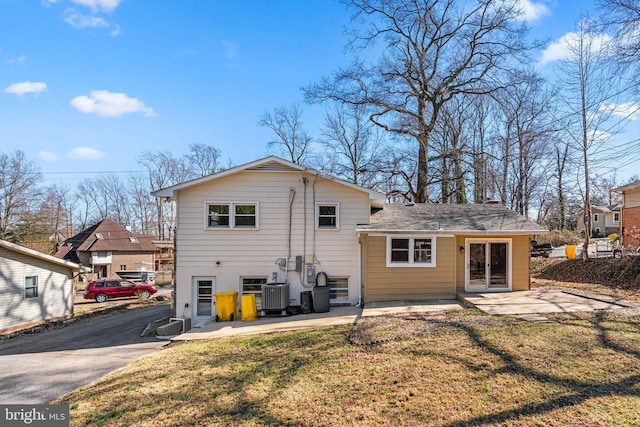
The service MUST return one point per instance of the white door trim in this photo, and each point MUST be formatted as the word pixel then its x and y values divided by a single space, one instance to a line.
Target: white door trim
pixel 467 265
pixel 197 320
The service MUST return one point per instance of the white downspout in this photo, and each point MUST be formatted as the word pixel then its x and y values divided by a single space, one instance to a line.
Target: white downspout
pixel 359 304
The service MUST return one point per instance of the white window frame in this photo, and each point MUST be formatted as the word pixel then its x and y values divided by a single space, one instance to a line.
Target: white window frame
pixel 333 204
pixel 616 217
pixel 258 294
pixel 232 215
pixel 334 290
pixel 411 262
pixel 35 286
pixel 596 218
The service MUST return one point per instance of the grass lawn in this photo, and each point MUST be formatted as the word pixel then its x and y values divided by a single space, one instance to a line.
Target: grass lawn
pixel 452 369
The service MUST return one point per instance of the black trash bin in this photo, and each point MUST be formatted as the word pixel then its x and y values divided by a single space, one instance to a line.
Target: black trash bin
pixel 306 302
pixel 321 297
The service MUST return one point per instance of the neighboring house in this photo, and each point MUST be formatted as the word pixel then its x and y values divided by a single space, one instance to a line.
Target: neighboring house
pixel 630 208
pixel 605 220
pixel 422 251
pixel 273 221
pixel 34 287
pixel 107 248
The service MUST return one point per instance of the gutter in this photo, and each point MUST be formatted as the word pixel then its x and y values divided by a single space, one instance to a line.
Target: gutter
pixel 450 232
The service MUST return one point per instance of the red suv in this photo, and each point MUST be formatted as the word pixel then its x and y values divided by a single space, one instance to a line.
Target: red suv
pixel 102 290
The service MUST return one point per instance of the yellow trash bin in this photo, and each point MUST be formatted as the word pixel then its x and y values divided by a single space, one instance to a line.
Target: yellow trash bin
pixel 571 251
pixel 249 310
pixel 226 306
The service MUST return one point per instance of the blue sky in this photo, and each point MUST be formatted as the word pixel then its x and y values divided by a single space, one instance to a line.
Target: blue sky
pixel 89 85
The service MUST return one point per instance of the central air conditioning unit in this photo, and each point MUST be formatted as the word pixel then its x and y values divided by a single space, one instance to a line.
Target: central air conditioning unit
pixel 275 299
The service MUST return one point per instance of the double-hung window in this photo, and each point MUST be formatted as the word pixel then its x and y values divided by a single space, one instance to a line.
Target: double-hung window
pixel 327 216
pixel 409 251
pixel 339 289
pixel 31 287
pixel 232 215
pixel 253 285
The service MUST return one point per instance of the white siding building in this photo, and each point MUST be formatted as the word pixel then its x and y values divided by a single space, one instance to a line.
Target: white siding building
pixel 34 287
pixel 267 221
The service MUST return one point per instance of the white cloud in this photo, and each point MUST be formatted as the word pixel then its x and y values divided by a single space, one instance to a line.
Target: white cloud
pixel 77 20
pixel 85 153
pixel 231 49
pixel 26 87
pixel 47 156
pixel 628 110
pixel 19 60
pixel 103 5
pixel 532 11
pixel 109 104
pixel 561 49
pixel 115 32
pixel 599 136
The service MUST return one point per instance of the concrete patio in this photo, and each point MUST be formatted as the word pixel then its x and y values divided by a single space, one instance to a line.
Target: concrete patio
pixel 539 301
pixel 524 303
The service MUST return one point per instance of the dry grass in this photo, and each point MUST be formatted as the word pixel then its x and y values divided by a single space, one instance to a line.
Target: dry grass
pixel 454 369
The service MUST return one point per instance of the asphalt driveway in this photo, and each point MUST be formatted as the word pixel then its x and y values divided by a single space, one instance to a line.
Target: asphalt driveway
pixel 42 367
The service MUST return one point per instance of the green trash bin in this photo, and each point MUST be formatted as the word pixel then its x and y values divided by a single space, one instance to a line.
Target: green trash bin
pixel 321 297
pixel 226 305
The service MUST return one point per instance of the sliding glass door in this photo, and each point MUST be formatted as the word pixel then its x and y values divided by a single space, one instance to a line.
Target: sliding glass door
pixel 487 265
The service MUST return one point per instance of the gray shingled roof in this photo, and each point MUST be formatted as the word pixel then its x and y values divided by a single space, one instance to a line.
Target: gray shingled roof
pixel 450 218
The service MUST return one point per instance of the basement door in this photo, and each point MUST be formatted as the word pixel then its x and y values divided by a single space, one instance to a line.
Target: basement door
pixel 487 265
pixel 203 302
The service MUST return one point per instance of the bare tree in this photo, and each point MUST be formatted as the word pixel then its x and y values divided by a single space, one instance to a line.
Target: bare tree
pixel 623 17
pixel 19 180
pixel 590 92
pixel 57 209
pixel 165 170
pixel 142 204
pixel 291 138
pixel 562 156
pixel 433 51
pixel 354 147
pixel 450 147
pixel 602 189
pixel 527 133
pixel 203 159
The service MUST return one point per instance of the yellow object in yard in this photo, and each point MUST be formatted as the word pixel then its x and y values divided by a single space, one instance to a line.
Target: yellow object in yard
pixel 571 251
pixel 249 310
pixel 226 306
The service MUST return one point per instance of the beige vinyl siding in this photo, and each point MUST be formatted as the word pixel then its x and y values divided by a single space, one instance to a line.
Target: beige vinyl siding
pixel 401 283
pixel 632 198
pixel 520 261
pixel 55 290
pixel 229 254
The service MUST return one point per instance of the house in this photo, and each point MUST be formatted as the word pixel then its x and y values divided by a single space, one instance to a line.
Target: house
pixel 34 287
pixel 108 249
pixel 605 220
pixel 266 221
pixel 630 212
pixel 273 221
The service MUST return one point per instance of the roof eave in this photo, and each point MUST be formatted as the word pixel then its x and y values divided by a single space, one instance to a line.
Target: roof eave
pixel 49 258
pixel 449 232
pixel 630 186
pixel 377 198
